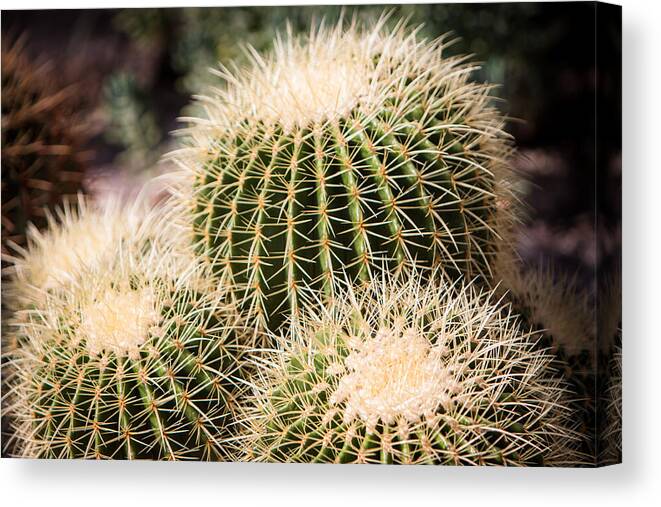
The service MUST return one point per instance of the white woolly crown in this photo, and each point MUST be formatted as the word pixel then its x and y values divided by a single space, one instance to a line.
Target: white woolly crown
pixel 86 238
pixel 396 373
pixel 334 72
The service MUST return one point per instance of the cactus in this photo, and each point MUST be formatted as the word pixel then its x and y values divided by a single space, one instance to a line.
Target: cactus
pixel 611 430
pixel 348 150
pixel 581 323
pixel 400 372
pixel 551 300
pixel 579 326
pixel 131 357
pixel 43 163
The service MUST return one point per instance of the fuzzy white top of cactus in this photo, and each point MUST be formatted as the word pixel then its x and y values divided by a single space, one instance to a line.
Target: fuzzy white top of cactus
pixel 331 73
pixel 119 321
pixel 84 240
pixel 308 85
pixel 396 373
pixel 99 278
pixel 75 238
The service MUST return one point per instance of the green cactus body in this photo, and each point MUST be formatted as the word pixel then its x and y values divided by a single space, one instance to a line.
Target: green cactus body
pixel 345 152
pixel 407 374
pixel 133 356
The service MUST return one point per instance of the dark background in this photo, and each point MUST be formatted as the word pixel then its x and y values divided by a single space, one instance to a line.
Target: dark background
pixel 136 69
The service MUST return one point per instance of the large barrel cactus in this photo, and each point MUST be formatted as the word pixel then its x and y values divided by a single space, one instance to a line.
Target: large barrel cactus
pixel 131 356
pixel 410 374
pixel 345 151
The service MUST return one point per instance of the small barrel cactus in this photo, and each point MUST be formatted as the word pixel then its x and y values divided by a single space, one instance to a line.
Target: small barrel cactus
pixel 409 373
pixel 551 300
pixel 134 357
pixel 579 320
pixel 344 151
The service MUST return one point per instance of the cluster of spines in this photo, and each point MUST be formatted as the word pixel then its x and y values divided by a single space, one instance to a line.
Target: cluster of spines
pixel 411 172
pixel 495 398
pixel 86 236
pixel 549 299
pixel 580 324
pixel 610 434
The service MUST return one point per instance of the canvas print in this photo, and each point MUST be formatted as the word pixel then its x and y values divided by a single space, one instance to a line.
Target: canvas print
pixel 322 234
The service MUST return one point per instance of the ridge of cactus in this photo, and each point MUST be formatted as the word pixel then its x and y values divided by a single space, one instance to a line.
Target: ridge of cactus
pixel 402 372
pixel 346 150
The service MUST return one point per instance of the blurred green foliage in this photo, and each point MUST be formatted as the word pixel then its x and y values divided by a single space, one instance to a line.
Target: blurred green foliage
pixel 131 123
pixel 199 38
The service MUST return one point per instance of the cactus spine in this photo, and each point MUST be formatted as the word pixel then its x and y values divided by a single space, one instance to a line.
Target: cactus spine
pixel 345 151
pixel 132 357
pixel 85 237
pixel 403 373
pixel 551 300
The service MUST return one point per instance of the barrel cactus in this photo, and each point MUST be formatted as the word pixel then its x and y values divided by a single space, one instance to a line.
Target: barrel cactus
pixel 43 160
pixel 578 321
pixel 611 404
pixel 552 300
pixel 347 150
pixel 133 357
pixel 404 373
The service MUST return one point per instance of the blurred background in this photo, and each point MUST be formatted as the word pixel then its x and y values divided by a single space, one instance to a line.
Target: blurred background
pixel 127 76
